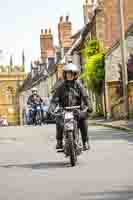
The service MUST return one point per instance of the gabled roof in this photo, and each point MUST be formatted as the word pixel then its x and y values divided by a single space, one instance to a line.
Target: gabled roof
pixel 81 35
pixel 30 81
pixel 27 82
pixel 76 35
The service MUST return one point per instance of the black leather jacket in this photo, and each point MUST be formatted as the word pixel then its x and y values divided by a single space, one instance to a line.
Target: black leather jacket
pixel 71 93
pixel 34 99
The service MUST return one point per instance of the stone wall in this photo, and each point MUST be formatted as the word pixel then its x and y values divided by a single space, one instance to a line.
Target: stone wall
pixel 115 99
pixel 130 98
pixel 59 72
pixel 9 103
pixel 113 76
pixel 111 19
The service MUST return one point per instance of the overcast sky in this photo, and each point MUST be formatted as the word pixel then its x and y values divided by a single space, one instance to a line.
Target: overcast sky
pixel 22 20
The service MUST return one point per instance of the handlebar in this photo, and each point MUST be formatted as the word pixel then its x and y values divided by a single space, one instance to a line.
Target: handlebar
pixel 57 114
pixel 35 104
pixel 69 108
pixel 72 107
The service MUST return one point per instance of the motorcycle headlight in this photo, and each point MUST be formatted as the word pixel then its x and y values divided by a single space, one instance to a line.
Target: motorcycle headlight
pixel 68 115
pixel 38 107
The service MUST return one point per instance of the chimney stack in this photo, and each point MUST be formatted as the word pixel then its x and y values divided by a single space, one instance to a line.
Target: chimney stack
pixel 88 10
pixel 61 19
pixel 65 33
pixel 49 30
pixel 67 18
pixel 46 31
pixel 47 45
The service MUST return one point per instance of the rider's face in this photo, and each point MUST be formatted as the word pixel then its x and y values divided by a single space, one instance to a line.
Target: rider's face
pixel 34 92
pixel 69 76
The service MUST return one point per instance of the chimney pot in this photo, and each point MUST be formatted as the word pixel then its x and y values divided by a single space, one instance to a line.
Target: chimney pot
pixel 49 30
pixel 67 18
pixel 41 31
pixel 46 31
pixel 61 19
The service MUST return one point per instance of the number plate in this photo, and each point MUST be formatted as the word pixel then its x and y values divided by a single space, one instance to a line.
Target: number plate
pixel 38 108
pixel 68 115
pixel 69 126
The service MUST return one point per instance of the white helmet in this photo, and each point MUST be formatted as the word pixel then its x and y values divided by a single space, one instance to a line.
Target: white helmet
pixel 71 67
pixel 34 89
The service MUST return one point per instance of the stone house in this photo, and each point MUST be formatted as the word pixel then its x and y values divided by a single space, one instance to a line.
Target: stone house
pixel 107 19
pixel 94 28
pixel 11 78
pixel 98 25
pixel 113 77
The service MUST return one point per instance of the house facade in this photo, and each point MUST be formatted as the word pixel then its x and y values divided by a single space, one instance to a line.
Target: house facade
pixel 11 78
pixel 113 77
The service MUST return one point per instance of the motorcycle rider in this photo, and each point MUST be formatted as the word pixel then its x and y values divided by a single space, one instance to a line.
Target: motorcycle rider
pixel 33 100
pixel 71 92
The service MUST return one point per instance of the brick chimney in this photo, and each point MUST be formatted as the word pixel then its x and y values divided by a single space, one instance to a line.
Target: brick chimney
pixel 88 10
pixel 112 24
pixel 65 33
pixel 46 44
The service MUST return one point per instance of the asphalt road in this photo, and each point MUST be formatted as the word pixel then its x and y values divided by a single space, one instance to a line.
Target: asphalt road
pixel 30 168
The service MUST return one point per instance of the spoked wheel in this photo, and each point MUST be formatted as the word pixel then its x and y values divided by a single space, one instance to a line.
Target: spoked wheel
pixel 38 118
pixel 72 150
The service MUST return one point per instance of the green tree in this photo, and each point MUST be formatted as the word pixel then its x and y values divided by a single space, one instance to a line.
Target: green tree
pixel 94 73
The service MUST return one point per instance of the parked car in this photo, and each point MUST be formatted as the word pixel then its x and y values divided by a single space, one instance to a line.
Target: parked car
pixel 3 121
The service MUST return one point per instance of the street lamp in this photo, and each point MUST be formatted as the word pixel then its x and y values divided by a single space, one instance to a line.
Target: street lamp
pixel 123 57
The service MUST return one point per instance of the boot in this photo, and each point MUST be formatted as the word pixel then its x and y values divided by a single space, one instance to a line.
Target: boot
pixel 86 146
pixel 59 144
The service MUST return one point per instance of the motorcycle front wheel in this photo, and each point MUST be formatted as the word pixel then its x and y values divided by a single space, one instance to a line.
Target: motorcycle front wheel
pixel 38 118
pixel 72 150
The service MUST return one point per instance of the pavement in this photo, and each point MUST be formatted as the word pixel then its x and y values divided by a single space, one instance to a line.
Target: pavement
pixel 126 125
pixel 31 169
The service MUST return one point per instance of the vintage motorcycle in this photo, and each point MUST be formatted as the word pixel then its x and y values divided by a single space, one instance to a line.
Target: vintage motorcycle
pixel 35 109
pixel 72 148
